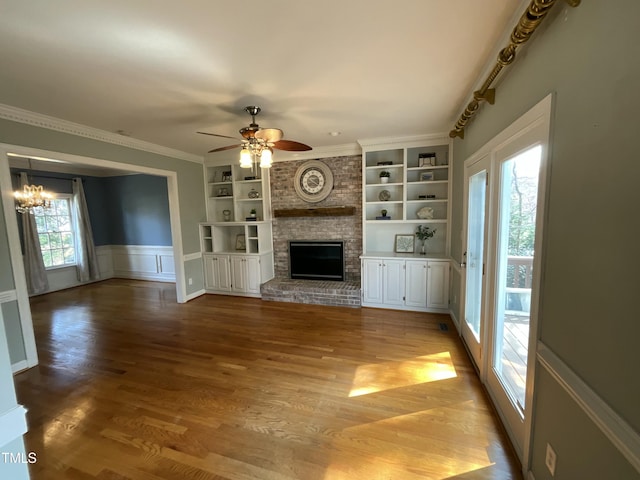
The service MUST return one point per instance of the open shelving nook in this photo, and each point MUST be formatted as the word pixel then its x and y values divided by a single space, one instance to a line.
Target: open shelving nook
pixel 419 181
pixel 236 240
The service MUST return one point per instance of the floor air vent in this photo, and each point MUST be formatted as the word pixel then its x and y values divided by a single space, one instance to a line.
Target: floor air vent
pixel 443 327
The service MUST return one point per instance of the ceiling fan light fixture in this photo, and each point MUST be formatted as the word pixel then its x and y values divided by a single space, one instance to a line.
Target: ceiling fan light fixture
pixel 245 158
pixel 266 158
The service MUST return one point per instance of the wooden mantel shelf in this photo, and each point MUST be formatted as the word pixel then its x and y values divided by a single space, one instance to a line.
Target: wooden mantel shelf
pixel 315 212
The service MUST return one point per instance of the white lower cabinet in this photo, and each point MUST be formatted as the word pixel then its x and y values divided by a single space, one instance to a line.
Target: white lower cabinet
pixel 245 274
pixel 438 285
pixel 217 273
pixel 236 274
pixel 409 284
pixel 416 283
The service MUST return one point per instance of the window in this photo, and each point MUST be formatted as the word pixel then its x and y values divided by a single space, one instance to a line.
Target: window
pixel 55 230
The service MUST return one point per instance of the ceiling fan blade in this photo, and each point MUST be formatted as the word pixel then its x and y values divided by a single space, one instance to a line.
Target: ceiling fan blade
pixel 222 149
pixel 291 146
pixel 269 135
pixel 217 135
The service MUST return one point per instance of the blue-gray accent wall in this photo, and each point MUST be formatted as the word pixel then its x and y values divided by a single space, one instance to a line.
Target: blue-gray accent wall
pixel 124 210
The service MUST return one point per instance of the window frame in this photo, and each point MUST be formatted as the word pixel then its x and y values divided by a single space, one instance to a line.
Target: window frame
pixel 69 199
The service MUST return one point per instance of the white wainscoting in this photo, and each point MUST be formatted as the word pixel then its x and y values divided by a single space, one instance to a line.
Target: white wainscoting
pixel 143 262
pixel 140 262
pixel 13 424
pixel 614 427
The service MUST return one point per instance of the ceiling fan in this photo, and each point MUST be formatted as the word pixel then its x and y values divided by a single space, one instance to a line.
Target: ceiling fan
pixel 258 140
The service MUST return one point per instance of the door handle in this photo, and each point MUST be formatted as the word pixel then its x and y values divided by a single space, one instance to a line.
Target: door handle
pixel 463 264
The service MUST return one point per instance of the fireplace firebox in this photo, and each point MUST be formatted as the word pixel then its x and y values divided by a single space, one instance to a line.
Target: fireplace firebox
pixel 316 260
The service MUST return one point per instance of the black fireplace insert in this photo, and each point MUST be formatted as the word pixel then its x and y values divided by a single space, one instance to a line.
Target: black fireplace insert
pixel 316 260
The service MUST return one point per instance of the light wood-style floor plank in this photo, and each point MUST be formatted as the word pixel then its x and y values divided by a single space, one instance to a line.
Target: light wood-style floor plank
pixel 133 386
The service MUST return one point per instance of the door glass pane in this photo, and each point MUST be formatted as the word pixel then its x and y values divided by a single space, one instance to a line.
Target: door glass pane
pixel 516 235
pixel 475 249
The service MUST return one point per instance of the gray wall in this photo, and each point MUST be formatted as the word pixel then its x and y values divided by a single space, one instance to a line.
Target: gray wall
pixel 588 56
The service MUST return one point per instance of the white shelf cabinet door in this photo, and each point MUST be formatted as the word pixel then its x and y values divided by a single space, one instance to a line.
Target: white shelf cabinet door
pixel 238 274
pixel 372 281
pixel 209 278
pixel 253 274
pixel 416 283
pixel 438 285
pixel 221 274
pixel 393 278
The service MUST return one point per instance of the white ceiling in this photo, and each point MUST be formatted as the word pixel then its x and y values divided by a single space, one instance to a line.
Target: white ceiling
pixel 160 71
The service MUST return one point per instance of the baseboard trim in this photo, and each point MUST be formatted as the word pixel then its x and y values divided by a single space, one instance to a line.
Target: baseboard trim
pixel 13 424
pixel 153 277
pixel 614 427
pixel 19 366
pixel 193 295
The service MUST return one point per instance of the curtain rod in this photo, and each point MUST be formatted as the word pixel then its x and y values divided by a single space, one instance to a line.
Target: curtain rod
pixel 528 23
pixel 17 174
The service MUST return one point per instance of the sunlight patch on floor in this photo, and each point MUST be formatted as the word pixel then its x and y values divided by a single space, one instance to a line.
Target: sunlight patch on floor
pixel 395 440
pixel 376 377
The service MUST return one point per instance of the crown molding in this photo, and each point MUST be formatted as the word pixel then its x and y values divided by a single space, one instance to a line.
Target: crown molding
pixel 343 150
pixel 20 115
pixel 404 141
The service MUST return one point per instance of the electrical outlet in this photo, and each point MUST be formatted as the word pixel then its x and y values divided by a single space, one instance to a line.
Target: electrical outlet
pixel 550 460
pixel 190 281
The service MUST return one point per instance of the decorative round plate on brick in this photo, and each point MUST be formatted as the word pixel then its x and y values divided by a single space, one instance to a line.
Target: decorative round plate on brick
pixel 313 181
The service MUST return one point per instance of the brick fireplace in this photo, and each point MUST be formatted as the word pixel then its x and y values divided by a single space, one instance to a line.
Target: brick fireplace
pixel 347 192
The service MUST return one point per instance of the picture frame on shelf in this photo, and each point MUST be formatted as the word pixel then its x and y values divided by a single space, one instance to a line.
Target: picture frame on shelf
pixel 226 176
pixel 404 243
pixel 426 176
pixel 241 242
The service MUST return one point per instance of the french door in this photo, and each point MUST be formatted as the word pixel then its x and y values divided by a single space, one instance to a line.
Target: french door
pixel 504 205
pixel 476 188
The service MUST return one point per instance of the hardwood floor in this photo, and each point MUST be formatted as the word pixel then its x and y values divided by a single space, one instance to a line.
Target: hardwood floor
pixel 132 385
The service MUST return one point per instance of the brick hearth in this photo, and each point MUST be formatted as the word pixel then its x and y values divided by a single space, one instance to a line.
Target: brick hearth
pixel 312 291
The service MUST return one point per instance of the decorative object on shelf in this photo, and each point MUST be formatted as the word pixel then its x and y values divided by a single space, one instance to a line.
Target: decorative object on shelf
pixel 424 233
pixel 250 177
pixel 383 216
pixel 426 176
pixel 404 243
pixel 226 176
pixel 427 160
pixel 386 162
pixel 226 215
pixel 384 176
pixel 223 192
pixel 252 213
pixel 425 213
pixel 431 196
pixel 422 197
pixel 253 193
pixel 258 143
pixel 313 181
pixel 384 195
pixel 241 242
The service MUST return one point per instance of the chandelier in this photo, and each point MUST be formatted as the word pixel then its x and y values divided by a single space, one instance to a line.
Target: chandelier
pixel 31 196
